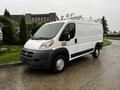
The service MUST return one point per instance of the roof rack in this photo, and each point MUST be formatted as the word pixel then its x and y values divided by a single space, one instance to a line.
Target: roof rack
pixel 81 18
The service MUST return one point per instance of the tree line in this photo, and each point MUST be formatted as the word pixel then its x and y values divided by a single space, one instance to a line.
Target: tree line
pixel 14 35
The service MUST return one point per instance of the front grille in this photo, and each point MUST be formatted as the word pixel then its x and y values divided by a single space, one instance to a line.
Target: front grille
pixel 27 54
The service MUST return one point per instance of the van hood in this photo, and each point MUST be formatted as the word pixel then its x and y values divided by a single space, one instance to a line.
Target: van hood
pixel 33 44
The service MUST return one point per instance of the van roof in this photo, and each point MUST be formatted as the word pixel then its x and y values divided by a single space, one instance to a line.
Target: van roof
pixel 75 21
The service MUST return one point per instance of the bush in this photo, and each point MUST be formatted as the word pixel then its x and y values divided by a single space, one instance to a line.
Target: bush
pixel 8 29
pixel 16 39
pixel 7 35
pixel 23 30
pixel 1 43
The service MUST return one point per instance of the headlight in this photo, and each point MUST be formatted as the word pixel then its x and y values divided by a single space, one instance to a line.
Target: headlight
pixel 46 44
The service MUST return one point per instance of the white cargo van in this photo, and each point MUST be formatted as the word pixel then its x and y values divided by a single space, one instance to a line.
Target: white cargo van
pixel 57 43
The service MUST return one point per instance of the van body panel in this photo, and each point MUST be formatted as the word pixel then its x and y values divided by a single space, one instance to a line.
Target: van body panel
pixel 33 44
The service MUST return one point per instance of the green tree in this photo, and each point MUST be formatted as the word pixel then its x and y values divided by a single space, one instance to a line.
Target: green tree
pixel 7 14
pixel 23 30
pixel 36 27
pixel 8 28
pixel 29 30
pixel 32 29
pixel 105 25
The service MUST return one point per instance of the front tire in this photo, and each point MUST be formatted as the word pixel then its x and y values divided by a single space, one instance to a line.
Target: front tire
pixel 58 64
pixel 96 52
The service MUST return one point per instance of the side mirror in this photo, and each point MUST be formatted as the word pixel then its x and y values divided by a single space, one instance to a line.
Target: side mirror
pixel 65 36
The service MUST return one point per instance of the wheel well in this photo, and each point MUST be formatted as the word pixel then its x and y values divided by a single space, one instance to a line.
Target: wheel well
pixel 64 54
pixel 61 51
pixel 99 45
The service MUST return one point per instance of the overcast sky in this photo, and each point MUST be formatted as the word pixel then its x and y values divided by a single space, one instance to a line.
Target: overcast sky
pixel 95 8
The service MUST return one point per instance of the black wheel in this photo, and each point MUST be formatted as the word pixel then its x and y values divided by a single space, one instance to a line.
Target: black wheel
pixel 96 52
pixel 58 64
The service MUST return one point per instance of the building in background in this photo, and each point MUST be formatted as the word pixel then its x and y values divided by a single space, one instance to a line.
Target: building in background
pixel 37 18
pixel 42 18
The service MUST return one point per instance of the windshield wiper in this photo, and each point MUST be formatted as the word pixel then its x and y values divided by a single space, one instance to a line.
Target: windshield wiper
pixel 40 38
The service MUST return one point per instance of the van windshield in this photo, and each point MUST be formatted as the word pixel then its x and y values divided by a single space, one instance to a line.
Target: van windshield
pixel 47 31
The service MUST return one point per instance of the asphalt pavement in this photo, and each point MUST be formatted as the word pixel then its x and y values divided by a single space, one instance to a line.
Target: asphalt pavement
pixel 84 73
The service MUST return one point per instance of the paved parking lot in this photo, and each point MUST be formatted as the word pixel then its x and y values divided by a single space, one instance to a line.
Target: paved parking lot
pixel 85 73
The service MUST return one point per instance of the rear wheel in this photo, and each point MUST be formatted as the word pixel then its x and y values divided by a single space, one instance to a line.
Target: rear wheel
pixel 58 64
pixel 96 52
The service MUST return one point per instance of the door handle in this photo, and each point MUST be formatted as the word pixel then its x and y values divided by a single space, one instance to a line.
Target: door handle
pixel 75 40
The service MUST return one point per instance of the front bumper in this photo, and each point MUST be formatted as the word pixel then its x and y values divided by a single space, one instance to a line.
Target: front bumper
pixel 37 59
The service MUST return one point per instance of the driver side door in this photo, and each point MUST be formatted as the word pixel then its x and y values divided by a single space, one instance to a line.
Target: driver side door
pixel 70 43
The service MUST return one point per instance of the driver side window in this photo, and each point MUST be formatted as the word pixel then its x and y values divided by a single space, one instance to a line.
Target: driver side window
pixel 69 30
pixel 66 30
